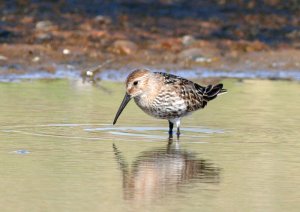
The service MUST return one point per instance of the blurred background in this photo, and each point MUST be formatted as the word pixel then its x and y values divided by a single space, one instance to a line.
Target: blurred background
pixel 230 35
pixel 59 150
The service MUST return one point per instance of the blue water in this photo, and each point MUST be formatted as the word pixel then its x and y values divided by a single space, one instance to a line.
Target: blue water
pixel 120 75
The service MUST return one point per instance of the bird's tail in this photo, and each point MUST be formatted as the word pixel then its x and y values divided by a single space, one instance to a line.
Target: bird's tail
pixel 212 91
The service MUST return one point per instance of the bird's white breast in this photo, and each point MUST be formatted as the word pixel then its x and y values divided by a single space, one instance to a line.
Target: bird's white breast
pixel 165 106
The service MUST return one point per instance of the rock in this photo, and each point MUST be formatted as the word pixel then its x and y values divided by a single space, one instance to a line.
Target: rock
pixel 124 47
pixel 3 57
pixel 66 51
pixel 187 40
pixel 203 60
pixel 100 19
pixel 36 59
pixel 44 25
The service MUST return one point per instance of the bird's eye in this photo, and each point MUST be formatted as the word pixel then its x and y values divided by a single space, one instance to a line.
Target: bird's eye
pixel 135 82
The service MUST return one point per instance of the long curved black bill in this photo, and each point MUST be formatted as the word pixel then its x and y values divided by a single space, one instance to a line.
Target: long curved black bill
pixel 122 106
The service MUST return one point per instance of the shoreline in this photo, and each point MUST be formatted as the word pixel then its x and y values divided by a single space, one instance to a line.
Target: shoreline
pixel 120 75
pixel 214 36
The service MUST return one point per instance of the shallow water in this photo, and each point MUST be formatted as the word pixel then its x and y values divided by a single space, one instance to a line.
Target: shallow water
pixel 70 72
pixel 59 151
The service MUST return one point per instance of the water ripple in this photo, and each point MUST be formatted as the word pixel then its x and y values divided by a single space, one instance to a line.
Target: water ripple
pixel 105 132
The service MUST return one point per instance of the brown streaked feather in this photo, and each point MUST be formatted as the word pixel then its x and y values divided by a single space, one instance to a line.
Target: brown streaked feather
pixel 166 96
pixel 194 95
pixel 190 92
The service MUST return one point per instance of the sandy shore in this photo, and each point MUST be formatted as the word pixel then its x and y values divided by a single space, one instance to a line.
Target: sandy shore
pixel 43 36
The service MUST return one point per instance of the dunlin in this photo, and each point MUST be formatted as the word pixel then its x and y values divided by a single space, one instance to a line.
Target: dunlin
pixel 167 96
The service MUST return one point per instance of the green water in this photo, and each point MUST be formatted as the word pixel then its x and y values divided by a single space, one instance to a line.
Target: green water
pixel 59 151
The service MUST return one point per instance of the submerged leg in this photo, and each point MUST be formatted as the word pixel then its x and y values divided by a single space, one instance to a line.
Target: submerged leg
pixel 171 129
pixel 178 132
pixel 178 128
pixel 171 123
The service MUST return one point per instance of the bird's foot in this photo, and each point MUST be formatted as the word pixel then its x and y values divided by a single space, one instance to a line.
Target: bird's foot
pixel 178 133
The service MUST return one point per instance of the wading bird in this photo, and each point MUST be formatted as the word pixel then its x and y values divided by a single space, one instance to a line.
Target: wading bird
pixel 166 96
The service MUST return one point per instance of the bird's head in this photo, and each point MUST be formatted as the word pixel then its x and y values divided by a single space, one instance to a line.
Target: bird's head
pixel 137 84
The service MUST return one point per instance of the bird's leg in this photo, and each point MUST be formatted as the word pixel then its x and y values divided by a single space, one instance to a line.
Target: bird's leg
pixel 178 127
pixel 178 132
pixel 171 129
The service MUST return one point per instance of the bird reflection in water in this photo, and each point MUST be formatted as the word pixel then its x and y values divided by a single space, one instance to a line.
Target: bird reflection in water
pixel 157 172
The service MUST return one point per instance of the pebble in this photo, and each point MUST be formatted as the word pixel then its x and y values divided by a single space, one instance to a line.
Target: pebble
pixel 187 40
pixel 102 19
pixel 3 57
pixel 124 47
pixel 203 60
pixel 66 51
pixel 36 59
pixel 44 25
pixel 89 73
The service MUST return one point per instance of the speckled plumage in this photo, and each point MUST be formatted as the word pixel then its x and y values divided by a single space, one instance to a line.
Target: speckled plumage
pixel 167 96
